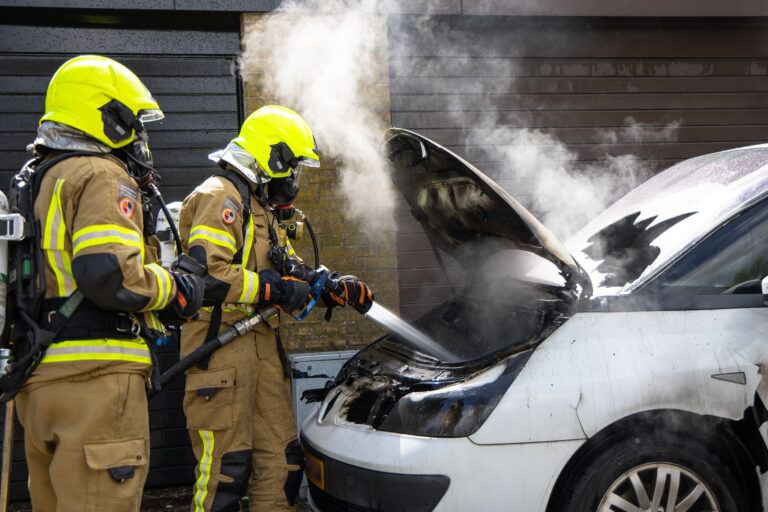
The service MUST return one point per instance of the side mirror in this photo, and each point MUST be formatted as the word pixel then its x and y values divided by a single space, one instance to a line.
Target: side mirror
pixel 764 286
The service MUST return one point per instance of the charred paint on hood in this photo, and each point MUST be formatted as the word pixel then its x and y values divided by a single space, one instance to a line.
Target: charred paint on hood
pixel 625 248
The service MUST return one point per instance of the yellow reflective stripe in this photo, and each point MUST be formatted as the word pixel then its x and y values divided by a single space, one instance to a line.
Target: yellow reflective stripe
pixel 97 350
pixel 248 242
pixel 105 227
pixel 163 285
pixel 53 244
pixel 248 309
pixel 100 234
pixel 213 235
pixel 291 252
pixel 204 469
pixel 250 287
pixel 156 324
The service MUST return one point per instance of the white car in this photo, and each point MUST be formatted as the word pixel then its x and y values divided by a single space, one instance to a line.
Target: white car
pixel 620 372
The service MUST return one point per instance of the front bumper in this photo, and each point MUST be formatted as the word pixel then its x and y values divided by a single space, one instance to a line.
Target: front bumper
pixel 343 487
pixel 481 477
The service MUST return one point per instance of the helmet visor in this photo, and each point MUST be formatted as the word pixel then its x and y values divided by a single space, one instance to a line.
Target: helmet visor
pixel 307 162
pixel 242 161
pixel 149 115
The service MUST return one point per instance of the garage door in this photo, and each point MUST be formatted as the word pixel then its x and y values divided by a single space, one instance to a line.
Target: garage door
pixel 192 75
pixel 453 78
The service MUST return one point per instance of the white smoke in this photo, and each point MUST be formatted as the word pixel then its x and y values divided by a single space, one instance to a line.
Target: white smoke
pixel 327 65
pixel 560 186
pixel 323 55
pixel 635 132
pixel 551 180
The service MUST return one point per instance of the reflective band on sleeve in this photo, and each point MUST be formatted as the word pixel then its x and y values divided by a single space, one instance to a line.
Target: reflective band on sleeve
pixel 53 244
pixel 163 285
pixel 204 469
pixel 250 287
pixel 214 236
pixel 229 307
pixel 288 245
pixel 97 350
pixel 100 234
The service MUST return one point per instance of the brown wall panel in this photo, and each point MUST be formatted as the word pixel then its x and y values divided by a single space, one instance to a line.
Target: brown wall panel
pixel 601 118
pixel 578 85
pixel 546 101
pixel 486 66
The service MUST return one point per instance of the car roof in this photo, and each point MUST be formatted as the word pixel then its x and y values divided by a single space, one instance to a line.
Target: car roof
pixel 661 219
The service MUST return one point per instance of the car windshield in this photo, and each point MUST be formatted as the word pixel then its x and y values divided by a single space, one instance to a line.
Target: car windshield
pixel 659 220
pixel 732 260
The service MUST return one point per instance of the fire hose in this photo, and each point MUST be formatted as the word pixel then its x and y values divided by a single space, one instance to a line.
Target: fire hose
pixel 240 328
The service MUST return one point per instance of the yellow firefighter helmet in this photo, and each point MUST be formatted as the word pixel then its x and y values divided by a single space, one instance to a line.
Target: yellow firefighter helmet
pixel 279 140
pixel 102 98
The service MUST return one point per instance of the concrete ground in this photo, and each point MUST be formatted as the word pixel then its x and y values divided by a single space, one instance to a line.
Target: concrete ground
pixel 170 499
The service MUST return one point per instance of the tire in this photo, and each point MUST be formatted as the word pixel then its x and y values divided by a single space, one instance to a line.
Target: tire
pixel 637 473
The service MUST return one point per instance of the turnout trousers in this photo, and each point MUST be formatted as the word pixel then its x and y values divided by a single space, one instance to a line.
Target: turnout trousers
pixel 241 425
pixel 86 442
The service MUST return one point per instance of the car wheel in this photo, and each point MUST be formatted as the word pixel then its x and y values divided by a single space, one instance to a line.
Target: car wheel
pixel 655 473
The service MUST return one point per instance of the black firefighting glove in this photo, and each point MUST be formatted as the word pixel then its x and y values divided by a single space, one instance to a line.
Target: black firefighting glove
pixel 348 290
pixel 189 298
pixel 287 293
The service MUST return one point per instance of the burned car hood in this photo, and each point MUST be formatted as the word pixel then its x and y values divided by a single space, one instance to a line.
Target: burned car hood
pixel 459 208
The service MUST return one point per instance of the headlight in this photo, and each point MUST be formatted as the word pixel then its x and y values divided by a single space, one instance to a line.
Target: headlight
pixel 457 410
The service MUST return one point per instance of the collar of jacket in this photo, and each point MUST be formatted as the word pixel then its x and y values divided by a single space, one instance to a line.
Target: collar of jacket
pixel 59 136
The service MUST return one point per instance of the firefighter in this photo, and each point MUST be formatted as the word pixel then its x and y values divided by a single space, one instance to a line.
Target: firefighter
pixel 84 408
pixel 238 403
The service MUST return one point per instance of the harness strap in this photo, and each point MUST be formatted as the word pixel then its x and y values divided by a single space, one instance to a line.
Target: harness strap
pixel 59 318
pixel 213 331
pixel 89 322
pixel 245 198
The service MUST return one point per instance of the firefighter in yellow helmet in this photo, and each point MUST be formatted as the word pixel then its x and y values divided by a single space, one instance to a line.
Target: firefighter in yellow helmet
pixel 238 404
pixel 84 407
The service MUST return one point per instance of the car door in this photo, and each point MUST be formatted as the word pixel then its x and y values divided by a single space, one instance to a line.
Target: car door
pixel 723 274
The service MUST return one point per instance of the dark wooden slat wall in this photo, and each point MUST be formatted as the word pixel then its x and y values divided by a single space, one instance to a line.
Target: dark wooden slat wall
pixel 197 94
pixel 456 79
pixel 195 86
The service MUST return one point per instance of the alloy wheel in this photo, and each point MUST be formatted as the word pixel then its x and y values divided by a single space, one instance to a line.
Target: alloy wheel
pixel 658 487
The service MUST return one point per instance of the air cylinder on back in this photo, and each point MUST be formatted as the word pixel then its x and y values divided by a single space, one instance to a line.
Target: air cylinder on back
pixel 163 232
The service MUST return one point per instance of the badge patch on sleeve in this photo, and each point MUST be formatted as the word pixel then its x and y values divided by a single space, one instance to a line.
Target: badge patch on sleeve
pixel 229 211
pixel 126 201
pixel 228 215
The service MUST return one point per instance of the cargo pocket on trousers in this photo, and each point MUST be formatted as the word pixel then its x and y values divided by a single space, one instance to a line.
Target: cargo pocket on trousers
pixel 118 468
pixel 209 399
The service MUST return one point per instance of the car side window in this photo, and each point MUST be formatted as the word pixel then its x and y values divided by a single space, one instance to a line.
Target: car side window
pixel 732 260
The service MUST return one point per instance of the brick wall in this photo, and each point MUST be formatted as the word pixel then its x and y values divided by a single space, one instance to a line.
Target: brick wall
pixel 344 246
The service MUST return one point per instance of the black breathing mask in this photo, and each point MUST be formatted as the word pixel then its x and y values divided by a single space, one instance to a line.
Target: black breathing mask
pixel 282 192
pixel 138 158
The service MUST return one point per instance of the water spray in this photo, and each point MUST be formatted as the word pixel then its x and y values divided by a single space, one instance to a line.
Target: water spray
pixel 409 333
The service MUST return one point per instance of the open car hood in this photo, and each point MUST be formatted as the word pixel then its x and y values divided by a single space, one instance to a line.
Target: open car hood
pixel 462 210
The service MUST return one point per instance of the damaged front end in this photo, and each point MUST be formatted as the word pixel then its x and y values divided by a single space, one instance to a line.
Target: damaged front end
pixel 394 387
pixel 489 329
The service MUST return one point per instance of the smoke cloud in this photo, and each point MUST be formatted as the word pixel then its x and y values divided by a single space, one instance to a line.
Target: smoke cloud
pixel 323 57
pixel 551 180
pixel 324 64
